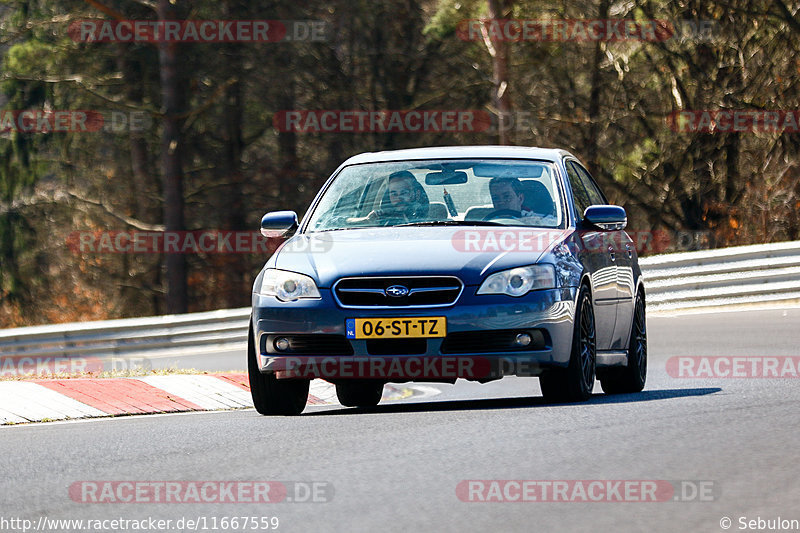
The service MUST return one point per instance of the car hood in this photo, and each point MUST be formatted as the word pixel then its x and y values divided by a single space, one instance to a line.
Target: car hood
pixel 469 252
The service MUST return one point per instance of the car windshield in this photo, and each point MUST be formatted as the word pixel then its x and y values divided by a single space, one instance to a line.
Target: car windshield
pixel 441 192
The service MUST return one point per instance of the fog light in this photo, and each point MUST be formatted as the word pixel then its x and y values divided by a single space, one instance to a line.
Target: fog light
pixel 282 344
pixel 523 339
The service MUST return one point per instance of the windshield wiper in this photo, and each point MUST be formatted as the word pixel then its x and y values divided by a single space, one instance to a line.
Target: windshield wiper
pixel 327 229
pixel 425 223
pixel 452 223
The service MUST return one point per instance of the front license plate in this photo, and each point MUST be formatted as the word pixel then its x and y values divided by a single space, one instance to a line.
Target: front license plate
pixel 396 328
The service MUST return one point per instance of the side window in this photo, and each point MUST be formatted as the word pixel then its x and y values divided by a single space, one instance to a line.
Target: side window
pixel 594 193
pixel 579 193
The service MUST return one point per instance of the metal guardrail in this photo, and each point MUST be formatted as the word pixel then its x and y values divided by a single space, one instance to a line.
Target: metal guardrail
pixel 745 274
pixel 727 276
pixel 128 335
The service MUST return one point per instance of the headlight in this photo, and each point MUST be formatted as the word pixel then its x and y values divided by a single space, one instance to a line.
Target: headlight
pixel 519 281
pixel 287 286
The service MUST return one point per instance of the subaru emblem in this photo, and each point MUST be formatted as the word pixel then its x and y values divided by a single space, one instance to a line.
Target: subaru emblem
pixel 396 291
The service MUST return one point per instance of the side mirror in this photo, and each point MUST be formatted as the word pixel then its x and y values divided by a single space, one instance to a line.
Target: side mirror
pixel 606 217
pixel 279 224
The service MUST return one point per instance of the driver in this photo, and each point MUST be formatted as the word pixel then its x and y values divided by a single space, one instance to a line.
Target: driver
pixel 406 195
pixel 405 200
pixel 507 195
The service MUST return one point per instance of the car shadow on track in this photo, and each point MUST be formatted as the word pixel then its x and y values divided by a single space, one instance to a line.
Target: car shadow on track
pixel 514 403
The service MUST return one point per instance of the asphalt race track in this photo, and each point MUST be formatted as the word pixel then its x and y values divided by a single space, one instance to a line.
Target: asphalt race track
pixel 729 446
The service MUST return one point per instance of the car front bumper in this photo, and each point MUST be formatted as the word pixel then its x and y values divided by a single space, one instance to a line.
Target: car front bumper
pixel 547 314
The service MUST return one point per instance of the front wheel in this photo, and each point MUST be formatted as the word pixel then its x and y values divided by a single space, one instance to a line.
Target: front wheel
pixel 575 383
pixel 273 396
pixel 631 378
pixel 359 392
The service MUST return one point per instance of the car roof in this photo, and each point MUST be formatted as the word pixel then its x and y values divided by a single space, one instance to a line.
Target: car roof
pixel 460 152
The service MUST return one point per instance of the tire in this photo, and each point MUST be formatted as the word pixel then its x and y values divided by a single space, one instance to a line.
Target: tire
pixel 575 383
pixel 359 392
pixel 273 396
pixel 631 378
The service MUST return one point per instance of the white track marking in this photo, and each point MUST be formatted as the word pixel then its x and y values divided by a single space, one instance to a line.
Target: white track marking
pixel 32 401
pixel 22 402
pixel 7 417
pixel 324 391
pixel 207 392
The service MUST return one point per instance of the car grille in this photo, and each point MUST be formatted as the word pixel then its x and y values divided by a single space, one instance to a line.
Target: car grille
pixel 423 291
pixel 309 345
pixel 491 341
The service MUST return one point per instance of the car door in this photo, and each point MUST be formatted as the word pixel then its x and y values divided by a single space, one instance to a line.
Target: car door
pixel 621 252
pixel 598 261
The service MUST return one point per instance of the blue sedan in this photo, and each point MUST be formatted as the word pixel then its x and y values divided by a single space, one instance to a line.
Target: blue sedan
pixel 435 264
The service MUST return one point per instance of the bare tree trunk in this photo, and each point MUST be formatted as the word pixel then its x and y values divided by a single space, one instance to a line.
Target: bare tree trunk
pixel 288 162
pixel 732 142
pixel 237 284
pixel 501 98
pixel 142 187
pixel 593 135
pixel 171 104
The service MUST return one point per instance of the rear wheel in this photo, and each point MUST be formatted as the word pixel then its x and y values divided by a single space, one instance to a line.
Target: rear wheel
pixel 273 396
pixel 359 392
pixel 575 383
pixel 631 378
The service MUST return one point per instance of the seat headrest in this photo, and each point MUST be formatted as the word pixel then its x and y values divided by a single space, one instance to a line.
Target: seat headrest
pixel 537 198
